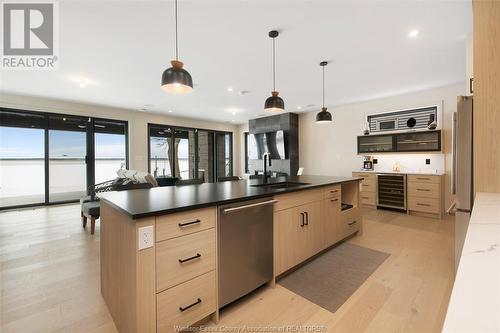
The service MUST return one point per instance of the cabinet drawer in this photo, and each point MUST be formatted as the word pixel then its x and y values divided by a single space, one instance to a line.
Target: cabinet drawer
pixel 186 303
pixel 424 179
pixel 365 175
pixel 426 205
pixel 332 192
pixel 184 223
pixel 368 198
pixel 290 200
pixel 349 222
pixel 430 190
pixel 183 258
pixel 368 186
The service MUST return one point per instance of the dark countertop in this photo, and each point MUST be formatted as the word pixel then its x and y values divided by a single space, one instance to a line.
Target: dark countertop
pixel 170 199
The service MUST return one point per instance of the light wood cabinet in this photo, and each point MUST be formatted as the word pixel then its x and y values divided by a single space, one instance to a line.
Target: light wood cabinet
pixel 289 248
pixel 331 217
pixel 486 114
pixel 299 235
pixel 184 223
pixel 349 222
pixel 305 228
pixel 186 303
pixel 425 195
pixel 368 188
pixel 183 258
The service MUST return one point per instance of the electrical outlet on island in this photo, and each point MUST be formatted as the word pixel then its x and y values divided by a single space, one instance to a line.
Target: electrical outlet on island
pixel 145 237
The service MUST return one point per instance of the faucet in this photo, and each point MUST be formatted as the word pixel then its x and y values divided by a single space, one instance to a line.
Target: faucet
pixel 266 157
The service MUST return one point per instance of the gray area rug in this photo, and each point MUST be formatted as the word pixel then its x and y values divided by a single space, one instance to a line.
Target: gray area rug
pixel 330 279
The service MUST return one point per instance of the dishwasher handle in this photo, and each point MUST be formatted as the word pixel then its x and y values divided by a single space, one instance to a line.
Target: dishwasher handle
pixel 234 209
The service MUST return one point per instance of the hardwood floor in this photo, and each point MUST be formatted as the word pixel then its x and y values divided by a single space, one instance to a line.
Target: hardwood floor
pixel 49 279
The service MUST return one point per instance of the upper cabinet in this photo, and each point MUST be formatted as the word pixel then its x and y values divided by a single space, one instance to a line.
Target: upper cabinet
pixel 424 141
pixel 418 141
pixel 375 144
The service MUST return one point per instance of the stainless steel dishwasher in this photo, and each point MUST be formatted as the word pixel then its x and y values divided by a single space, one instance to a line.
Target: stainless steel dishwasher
pixel 245 245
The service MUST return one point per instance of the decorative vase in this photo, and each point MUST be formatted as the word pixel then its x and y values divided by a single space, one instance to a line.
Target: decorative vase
pixel 366 128
pixel 432 124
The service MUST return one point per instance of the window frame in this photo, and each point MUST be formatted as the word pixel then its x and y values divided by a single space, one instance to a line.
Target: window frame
pixel 197 157
pixel 90 150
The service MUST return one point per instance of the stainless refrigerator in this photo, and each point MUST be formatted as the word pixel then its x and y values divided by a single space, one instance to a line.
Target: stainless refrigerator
pixel 461 178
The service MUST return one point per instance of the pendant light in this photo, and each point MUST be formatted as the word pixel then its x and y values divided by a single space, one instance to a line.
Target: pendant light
pixel 274 103
pixel 176 79
pixel 324 116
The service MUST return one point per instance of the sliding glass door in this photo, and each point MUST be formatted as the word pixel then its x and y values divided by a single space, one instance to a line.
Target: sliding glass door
pixel 67 158
pixel 110 148
pixel 22 156
pixel 160 151
pixel 50 158
pixel 189 153
pixel 185 154
pixel 206 155
pixel 224 154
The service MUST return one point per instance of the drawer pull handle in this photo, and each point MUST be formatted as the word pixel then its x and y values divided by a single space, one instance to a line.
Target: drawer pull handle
pixel 365 185
pixel 333 200
pixel 353 222
pixel 188 223
pixel 190 258
pixel 334 191
pixel 365 198
pixel 422 178
pixel 423 189
pixel 198 301
pixel 421 204
pixel 302 223
pixel 307 217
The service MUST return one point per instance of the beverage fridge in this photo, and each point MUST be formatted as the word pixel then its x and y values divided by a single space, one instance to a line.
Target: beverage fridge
pixel 461 178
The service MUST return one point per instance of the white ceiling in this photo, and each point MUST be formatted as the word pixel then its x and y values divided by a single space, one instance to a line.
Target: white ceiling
pixel 122 48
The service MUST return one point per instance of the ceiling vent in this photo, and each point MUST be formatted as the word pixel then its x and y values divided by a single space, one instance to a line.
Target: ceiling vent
pixel 398 120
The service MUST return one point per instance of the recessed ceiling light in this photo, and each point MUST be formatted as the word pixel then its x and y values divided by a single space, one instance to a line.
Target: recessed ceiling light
pixel 299 107
pixel 232 120
pixel 413 33
pixel 230 89
pixel 169 111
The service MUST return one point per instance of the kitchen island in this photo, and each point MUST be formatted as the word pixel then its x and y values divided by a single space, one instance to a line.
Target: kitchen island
pixel 159 253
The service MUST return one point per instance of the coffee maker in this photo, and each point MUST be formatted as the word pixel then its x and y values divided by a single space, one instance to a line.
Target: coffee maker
pixel 367 163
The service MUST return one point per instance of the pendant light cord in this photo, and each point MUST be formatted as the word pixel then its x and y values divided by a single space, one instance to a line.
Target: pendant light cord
pixel 323 86
pixel 176 35
pixel 274 64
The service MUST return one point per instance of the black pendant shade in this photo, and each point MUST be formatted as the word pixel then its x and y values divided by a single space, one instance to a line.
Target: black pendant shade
pixel 176 79
pixel 324 116
pixel 274 103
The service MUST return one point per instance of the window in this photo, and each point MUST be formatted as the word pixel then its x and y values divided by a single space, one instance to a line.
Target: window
pixel 189 153
pixel 52 158
pixel 22 159
pixel 110 148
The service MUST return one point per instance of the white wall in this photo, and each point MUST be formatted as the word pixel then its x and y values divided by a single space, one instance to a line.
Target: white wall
pixel 137 122
pixel 330 149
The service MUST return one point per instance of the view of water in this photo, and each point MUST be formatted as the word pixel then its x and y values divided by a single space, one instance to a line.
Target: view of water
pixel 22 180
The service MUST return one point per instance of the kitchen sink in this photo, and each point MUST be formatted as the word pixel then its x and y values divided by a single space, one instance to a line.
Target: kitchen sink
pixel 280 184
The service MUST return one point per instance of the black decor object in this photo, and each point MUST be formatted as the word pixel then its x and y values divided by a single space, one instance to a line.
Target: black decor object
pixel 411 122
pixel 274 103
pixel 288 123
pixel 323 116
pixel 176 79
pixel 432 124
